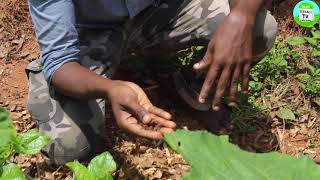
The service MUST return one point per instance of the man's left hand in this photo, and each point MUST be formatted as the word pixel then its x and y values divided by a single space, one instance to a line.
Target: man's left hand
pixel 228 57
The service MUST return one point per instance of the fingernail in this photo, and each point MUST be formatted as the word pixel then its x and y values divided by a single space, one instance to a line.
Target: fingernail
pixel 245 92
pixel 196 65
pixel 216 108
pixel 201 100
pixel 232 104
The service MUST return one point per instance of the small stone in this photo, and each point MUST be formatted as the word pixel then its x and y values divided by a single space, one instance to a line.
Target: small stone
pixel 26 117
pixel 157 174
pixel 24 112
pixel 19 109
pixel 143 149
pixel 13 108
pixel 150 171
pixel 6 104
pixel 25 54
pixel 19 115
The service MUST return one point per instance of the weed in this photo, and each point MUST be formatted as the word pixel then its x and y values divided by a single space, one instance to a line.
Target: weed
pixel 311 80
pixel 100 168
pixel 312 39
pixel 273 68
pixel 11 143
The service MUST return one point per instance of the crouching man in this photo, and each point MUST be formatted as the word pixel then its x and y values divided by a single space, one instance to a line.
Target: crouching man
pixel 82 43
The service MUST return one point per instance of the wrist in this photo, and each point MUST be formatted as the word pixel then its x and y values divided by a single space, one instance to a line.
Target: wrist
pixel 246 9
pixel 241 19
pixel 108 88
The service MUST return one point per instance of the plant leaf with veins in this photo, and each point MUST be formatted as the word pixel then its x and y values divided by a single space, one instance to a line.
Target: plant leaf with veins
pixel 11 172
pixel 213 157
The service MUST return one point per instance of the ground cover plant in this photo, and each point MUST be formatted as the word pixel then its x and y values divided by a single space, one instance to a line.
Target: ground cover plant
pixel 100 168
pixel 12 143
pixel 312 39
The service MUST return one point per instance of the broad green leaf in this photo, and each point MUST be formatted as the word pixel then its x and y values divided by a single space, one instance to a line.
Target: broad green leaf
pixel 102 166
pixel 31 142
pixel 214 158
pixel 315 52
pixel 12 172
pixel 285 113
pixel 6 150
pixel 5 121
pixel 316 34
pixel 80 172
pixel 312 41
pixel 296 40
pixel 7 135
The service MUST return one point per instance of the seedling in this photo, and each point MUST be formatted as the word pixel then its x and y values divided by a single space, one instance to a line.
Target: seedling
pixel 12 143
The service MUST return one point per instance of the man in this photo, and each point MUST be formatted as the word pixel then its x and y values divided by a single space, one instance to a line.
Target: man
pixel 83 41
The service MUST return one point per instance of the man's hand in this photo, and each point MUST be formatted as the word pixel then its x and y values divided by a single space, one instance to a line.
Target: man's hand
pixel 133 111
pixel 131 106
pixel 229 54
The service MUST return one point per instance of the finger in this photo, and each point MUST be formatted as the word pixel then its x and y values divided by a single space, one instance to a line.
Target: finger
pixel 163 122
pixel 140 131
pixel 159 112
pixel 223 82
pixel 166 130
pixel 234 86
pixel 140 112
pixel 245 78
pixel 208 83
pixel 204 63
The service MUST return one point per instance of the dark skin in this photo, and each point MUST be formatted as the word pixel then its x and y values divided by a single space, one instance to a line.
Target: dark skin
pixel 229 54
pixel 132 108
pixel 130 105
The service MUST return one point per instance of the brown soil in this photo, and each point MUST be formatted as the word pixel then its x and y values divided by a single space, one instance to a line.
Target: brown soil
pixel 139 158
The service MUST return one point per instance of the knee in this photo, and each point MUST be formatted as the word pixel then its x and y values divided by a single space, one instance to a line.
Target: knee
pixel 67 148
pixel 265 33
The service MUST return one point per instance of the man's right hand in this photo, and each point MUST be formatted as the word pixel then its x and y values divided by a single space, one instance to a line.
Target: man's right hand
pixel 132 108
pixel 134 112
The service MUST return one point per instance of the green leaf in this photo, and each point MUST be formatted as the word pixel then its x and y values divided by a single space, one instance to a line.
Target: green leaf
pixel 316 34
pixel 102 166
pixel 312 41
pixel 213 157
pixel 5 121
pixel 296 40
pixel 312 69
pixel 80 171
pixel 8 134
pixel 255 86
pixel 6 150
pixel 304 76
pixel 315 52
pixel 285 113
pixel 12 172
pixel 31 142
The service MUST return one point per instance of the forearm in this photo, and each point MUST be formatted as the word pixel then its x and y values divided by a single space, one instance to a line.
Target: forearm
pixel 76 81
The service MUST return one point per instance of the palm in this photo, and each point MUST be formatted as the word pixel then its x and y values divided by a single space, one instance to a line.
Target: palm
pixel 133 111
